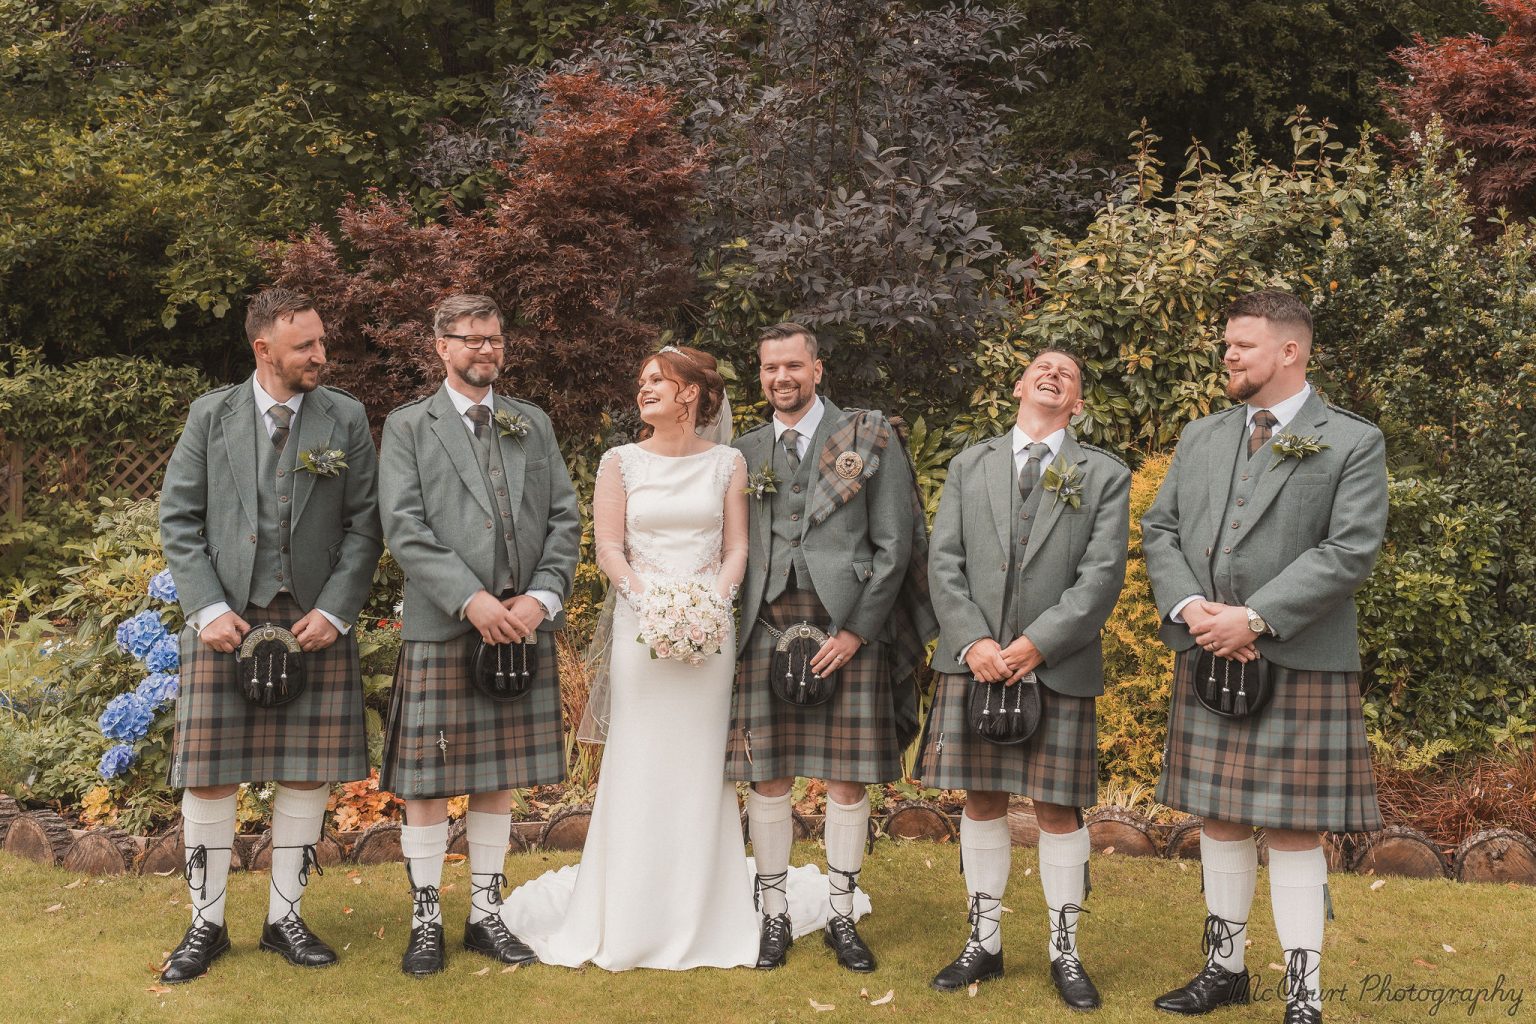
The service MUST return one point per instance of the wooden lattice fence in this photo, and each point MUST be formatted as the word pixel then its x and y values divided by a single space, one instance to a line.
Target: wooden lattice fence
pixel 35 478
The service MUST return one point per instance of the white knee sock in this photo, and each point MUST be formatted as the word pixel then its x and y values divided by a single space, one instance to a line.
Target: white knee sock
pixel 209 824
pixel 487 835
pixel 1230 870
pixel 297 818
pixel 846 831
pixel 1063 857
pixel 1296 886
pixel 987 850
pixel 771 823
pixel 424 847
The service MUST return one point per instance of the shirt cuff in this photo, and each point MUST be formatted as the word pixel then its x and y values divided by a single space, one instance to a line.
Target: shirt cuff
pixel 200 618
pixel 341 627
pixel 1177 615
pixel 465 605
pixel 549 599
pixel 966 650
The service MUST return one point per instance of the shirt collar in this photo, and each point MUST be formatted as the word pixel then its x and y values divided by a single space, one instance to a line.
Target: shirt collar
pixel 1284 411
pixel 1054 440
pixel 265 401
pixel 462 402
pixel 807 425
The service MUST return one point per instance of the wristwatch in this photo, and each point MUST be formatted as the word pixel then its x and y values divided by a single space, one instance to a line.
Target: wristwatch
pixel 1256 622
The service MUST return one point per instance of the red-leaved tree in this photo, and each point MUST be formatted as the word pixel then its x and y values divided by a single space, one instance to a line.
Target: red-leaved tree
pixel 1485 94
pixel 581 243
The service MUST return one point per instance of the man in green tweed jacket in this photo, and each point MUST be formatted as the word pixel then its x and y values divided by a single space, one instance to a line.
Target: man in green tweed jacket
pixel 263 522
pixel 479 511
pixel 1027 561
pixel 1269 520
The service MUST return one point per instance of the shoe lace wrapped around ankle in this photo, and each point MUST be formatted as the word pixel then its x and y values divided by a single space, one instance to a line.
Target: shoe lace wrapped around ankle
pixel 197 860
pixel 975 917
pixel 310 861
pixel 1294 985
pixel 1220 936
pixel 777 882
pixel 1061 929
pixel 489 890
pixel 424 902
pixel 849 884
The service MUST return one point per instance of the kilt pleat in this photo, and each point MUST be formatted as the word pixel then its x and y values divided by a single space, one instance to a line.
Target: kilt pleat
pixel 222 739
pixel 1302 763
pixel 445 738
pixel 1058 764
pixel 851 738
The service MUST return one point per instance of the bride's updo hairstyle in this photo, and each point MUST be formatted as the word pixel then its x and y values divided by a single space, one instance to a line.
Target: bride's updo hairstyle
pixel 684 366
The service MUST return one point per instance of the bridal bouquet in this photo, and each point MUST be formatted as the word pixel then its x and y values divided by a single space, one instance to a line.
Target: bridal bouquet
pixel 683 619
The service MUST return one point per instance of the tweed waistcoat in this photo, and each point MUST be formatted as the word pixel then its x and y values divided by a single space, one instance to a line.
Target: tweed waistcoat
pixel 1245 480
pixel 494 474
pixel 273 571
pixel 1025 515
pixel 785 555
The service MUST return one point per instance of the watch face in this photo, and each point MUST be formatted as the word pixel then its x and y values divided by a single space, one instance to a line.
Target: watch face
pixel 1256 622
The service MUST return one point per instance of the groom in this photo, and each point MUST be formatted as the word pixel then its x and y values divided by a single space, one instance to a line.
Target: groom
pixel 479 511
pixel 834 532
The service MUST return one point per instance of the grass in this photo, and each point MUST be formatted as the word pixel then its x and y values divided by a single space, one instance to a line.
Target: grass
pixel 93 957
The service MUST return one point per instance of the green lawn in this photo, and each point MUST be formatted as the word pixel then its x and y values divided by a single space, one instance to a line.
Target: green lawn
pixel 86 949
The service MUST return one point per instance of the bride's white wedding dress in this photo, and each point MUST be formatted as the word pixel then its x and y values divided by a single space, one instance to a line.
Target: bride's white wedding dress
pixel 664 881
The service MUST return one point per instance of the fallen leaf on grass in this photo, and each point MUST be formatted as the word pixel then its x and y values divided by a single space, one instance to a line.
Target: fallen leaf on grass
pixel 346 910
pixel 1378 884
pixel 482 972
pixel 1275 967
pixel 1247 943
pixel 380 933
pixel 1447 947
pixel 510 968
pixel 1426 964
pixel 1028 872
pixel 456 858
pixel 54 909
pixel 821 1007
pixel 1006 910
pixel 357 881
pixel 165 874
pixel 970 990
pixel 346 947
pixel 158 990
pixel 1107 850
pixel 449 887
pixel 864 993
pixel 1183 866
pixel 889 995
pixel 353 873
pixel 927 863
pixel 75 884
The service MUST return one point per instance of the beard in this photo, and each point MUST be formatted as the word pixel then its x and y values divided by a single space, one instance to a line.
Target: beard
pixel 480 375
pixel 1241 391
pixel 791 403
pixel 299 382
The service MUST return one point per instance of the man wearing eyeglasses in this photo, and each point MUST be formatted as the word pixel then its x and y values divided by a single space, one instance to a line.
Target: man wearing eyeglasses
pixel 479 511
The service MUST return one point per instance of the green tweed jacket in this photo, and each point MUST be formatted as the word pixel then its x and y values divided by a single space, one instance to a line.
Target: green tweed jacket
pixel 208 504
pixel 1072 569
pixel 439 519
pixel 858 553
pixel 1300 548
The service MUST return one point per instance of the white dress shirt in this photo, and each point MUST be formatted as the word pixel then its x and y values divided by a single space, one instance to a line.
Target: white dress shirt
pixel 462 402
pixel 264 403
pixel 807 426
pixel 1283 411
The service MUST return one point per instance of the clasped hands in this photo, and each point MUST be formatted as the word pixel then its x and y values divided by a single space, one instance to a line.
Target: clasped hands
pixel 505 621
pixel 314 632
pixel 1221 629
pixel 990 662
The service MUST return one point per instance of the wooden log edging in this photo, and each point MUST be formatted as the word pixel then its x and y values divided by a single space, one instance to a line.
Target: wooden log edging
pixel 40 836
pixel 1496 855
pixel 1120 831
pixel 9 809
pixel 1401 851
pixel 101 851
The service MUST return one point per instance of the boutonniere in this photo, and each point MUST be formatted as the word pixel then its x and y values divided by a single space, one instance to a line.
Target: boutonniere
pixel 511 424
pixel 323 462
pixel 1066 483
pixel 1290 446
pixel 764 481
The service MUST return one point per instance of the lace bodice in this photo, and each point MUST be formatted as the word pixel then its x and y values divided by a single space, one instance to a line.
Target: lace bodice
pixel 657 515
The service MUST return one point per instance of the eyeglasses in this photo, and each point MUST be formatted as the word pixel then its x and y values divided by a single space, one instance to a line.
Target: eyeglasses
pixel 476 342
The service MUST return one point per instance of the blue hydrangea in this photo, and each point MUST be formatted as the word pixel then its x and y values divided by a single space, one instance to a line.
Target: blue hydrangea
pixel 116 760
pixel 6 703
pixel 136 636
pixel 159 688
pixel 163 587
pixel 165 656
pixel 126 718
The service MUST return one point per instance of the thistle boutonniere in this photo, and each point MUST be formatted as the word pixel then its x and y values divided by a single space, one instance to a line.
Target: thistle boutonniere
pixel 765 481
pixel 1291 446
pixel 1065 480
pixel 323 462
pixel 511 424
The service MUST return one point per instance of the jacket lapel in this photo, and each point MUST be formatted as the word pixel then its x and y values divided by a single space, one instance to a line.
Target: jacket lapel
pixel 997 468
pixel 759 457
pixel 1070 455
pixel 315 429
pixel 449 427
pixel 240 436
pixel 514 456
pixel 1276 471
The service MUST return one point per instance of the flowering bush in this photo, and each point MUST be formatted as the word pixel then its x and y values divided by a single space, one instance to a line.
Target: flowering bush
pixel 140 634
pixel 162 587
pixel 159 688
pixel 164 656
pixel 116 760
pixel 126 718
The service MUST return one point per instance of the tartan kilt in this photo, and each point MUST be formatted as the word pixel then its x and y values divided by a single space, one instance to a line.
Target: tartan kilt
pixel 851 738
pixel 1059 764
pixel 223 739
pixel 488 745
pixel 1302 763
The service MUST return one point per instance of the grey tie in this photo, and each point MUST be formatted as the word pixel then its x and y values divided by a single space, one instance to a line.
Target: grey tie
pixel 791 439
pixel 481 417
pixel 282 418
pixel 1029 474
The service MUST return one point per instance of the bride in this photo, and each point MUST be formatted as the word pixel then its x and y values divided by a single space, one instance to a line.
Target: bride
pixel 663 881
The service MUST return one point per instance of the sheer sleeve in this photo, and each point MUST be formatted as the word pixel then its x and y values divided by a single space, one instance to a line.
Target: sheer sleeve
pixel 609 503
pixel 733 543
